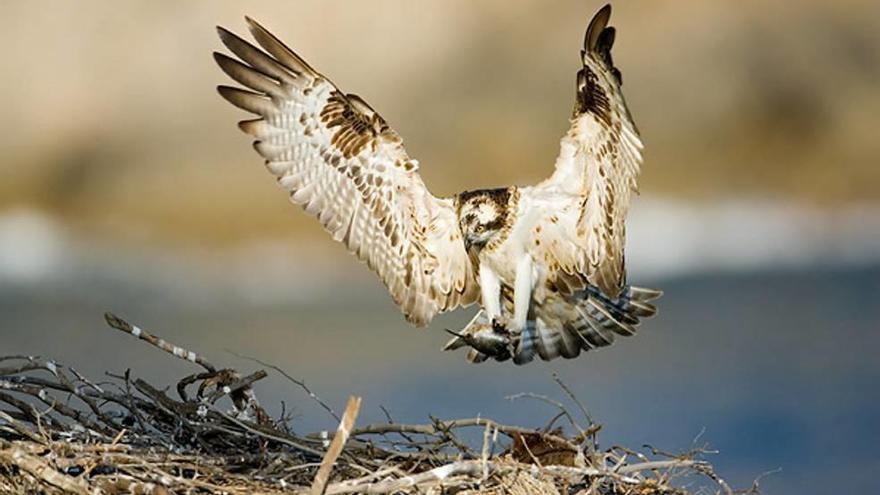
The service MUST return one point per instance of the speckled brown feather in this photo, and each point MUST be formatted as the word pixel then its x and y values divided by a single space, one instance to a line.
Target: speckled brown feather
pixel 340 160
pixel 598 162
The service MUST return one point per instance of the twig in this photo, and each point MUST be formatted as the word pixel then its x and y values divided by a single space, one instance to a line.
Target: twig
pixel 562 409
pixel 63 409
pixel 236 386
pixel 342 433
pixel 19 428
pixel 38 468
pixel 300 383
pixel 391 421
pixel 651 465
pixel 486 451
pixel 435 429
pixel 756 484
pixel 470 468
pixel 269 436
pixel 124 326
pixel 574 399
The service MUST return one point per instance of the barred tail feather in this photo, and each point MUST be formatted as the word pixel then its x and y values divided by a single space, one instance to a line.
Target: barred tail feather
pixel 622 314
pixel 597 320
pixel 592 320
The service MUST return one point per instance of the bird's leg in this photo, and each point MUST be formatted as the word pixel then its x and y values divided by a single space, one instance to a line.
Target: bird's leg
pixel 522 293
pixel 490 287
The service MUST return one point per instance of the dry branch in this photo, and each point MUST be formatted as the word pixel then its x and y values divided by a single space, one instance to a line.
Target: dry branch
pixel 336 446
pixel 124 326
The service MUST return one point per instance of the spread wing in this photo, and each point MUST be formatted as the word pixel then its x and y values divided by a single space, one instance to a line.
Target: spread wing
pixel 598 163
pixel 342 162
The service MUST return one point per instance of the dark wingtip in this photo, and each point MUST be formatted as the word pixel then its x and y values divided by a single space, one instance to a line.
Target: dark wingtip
pixel 597 25
pixel 226 92
pixel 606 39
pixel 227 36
pixel 254 25
pixel 222 31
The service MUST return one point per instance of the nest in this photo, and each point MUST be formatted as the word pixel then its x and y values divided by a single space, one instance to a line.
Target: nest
pixel 61 432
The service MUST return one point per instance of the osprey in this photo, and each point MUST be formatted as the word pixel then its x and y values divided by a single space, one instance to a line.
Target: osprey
pixel 546 262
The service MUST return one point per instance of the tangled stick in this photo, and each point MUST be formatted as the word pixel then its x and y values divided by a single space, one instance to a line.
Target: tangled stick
pixel 61 432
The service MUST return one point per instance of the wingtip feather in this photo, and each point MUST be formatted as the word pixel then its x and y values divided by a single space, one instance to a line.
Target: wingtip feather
pixel 225 35
pixel 597 25
pixel 278 48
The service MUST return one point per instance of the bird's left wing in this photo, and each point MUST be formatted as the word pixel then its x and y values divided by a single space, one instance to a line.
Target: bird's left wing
pixel 598 165
pixel 342 162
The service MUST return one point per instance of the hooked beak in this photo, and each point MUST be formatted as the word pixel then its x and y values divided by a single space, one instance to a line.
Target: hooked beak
pixel 471 241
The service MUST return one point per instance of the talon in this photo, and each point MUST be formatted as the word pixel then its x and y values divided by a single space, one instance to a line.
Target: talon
pixel 512 344
pixel 499 327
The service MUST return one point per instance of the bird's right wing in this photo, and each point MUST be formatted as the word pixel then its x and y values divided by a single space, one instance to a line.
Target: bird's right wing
pixel 598 163
pixel 342 162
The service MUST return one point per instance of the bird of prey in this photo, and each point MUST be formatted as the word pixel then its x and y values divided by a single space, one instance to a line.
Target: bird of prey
pixel 545 262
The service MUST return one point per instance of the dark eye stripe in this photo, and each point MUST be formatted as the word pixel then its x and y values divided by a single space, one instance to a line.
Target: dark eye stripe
pixel 495 224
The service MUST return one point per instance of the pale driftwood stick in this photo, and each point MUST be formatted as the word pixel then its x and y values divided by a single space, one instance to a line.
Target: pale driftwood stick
pixel 29 366
pixel 651 465
pixel 89 393
pixel 124 326
pixel 61 408
pixel 474 468
pixel 336 446
pixel 20 428
pixel 39 469
pixel 438 427
pixel 27 410
pixel 66 385
pixel 14 357
pixel 381 473
pixel 471 468
pixel 434 476
pixel 486 451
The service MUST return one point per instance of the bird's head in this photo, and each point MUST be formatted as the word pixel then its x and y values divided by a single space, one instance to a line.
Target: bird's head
pixel 481 215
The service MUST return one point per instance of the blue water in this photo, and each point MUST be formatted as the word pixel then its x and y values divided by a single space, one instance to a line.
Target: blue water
pixel 781 369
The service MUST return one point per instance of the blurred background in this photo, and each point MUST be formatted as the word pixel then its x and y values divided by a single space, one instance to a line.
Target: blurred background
pixel 127 187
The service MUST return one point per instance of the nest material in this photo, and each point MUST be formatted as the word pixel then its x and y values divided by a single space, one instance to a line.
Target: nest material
pixel 61 432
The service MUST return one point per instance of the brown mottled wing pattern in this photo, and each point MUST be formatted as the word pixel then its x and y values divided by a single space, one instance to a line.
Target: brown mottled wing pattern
pixel 342 162
pixel 598 163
